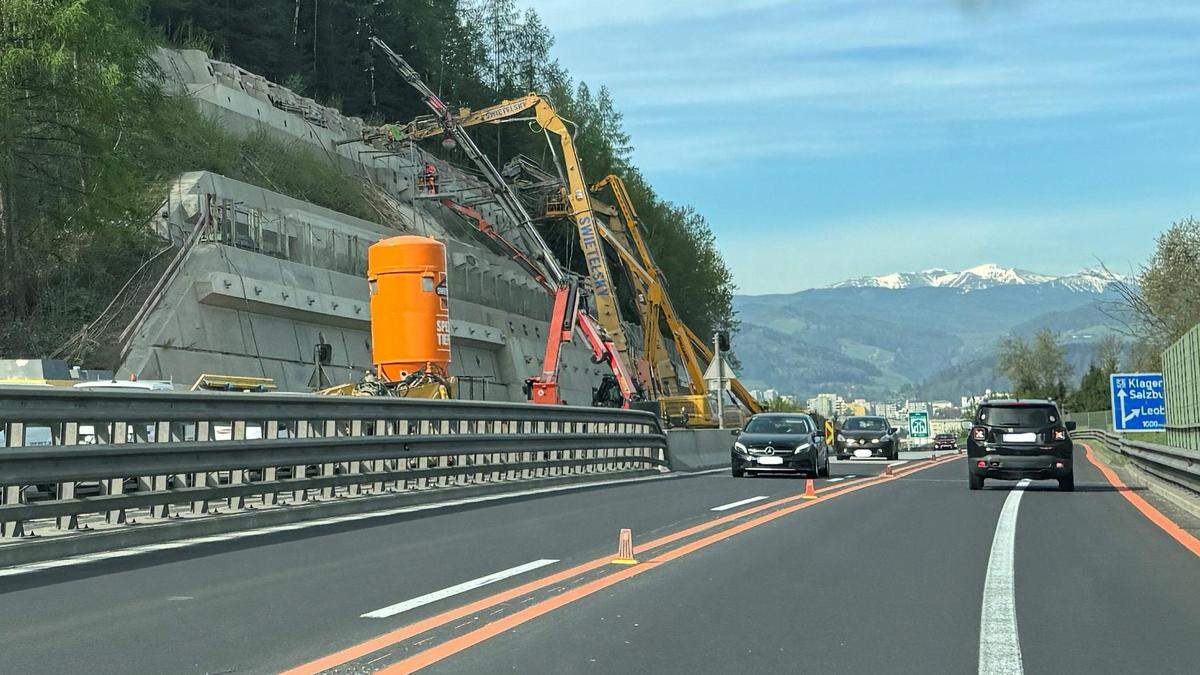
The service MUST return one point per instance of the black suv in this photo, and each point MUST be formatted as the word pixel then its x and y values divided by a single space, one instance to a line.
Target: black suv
pixel 1015 439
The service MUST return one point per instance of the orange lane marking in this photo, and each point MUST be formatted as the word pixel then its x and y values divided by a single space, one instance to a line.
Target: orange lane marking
pixel 439 652
pixel 1154 515
pixel 405 632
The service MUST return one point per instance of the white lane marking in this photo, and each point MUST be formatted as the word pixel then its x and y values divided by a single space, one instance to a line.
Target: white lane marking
pixel 333 520
pixel 903 461
pixel 392 610
pixel 834 480
pixel 734 505
pixel 999 644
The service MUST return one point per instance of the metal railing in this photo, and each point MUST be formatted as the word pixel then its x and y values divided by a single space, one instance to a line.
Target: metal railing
pixel 94 460
pixel 1178 466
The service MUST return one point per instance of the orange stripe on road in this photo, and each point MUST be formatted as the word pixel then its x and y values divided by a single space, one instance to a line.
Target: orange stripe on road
pixel 451 647
pixel 1167 525
pixel 411 630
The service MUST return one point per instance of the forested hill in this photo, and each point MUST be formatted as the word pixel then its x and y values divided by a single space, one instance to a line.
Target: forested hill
pixel 80 186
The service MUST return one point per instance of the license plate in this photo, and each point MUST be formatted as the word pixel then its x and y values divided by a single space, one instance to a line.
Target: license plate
pixel 862 453
pixel 770 461
pixel 1021 438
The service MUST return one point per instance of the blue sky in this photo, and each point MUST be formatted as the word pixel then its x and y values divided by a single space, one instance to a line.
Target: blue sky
pixel 826 139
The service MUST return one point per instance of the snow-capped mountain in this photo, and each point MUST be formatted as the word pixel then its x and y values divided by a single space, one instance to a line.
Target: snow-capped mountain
pixel 984 276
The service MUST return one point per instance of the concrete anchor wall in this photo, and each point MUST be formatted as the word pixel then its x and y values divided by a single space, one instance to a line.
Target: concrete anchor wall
pixel 698 449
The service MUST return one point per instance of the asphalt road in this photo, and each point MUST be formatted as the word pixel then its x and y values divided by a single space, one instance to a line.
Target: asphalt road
pixel 884 575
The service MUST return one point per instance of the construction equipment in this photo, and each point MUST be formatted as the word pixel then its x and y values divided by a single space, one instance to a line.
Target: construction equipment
pixel 445 121
pixel 566 317
pixel 607 344
pixel 655 303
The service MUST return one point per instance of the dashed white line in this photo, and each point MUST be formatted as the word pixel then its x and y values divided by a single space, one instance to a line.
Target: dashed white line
pixel 734 505
pixel 392 610
pixel 999 644
pixel 835 480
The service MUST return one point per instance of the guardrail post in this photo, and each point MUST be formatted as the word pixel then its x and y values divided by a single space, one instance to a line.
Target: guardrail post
pixel 354 467
pixel 300 471
pixel 237 476
pixel 162 434
pixel 13 438
pixel 115 486
pixel 200 479
pixel 270 497
pixel 66 489
pixel 329 430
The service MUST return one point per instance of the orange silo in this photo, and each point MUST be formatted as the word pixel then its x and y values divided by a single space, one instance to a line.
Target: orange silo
pixel 410 311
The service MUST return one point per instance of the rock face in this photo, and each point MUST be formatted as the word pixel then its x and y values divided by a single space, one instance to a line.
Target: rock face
pixel 270 276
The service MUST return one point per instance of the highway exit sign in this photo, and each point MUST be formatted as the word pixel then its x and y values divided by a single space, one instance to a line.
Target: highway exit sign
pixel 918 424
pixel 1137 402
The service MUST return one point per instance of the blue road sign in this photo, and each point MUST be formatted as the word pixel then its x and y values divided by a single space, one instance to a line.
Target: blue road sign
pixel 1137 402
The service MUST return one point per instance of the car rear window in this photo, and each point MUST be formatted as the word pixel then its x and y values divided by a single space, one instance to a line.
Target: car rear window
pixel 1030 417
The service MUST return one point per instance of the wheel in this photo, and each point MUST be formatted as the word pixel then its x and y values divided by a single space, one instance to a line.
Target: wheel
pixel 825 468
pixel 737 471
pixel 1067 483
pixel 975 481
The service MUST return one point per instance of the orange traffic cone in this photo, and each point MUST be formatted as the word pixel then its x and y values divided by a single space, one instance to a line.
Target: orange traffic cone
pixel 625 548
pixel 887 469
pixel 809 491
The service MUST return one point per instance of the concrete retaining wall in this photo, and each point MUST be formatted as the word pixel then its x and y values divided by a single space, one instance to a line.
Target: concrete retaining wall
pixel 698 449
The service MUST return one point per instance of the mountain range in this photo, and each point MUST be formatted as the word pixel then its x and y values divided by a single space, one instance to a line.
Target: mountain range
pixel 932 333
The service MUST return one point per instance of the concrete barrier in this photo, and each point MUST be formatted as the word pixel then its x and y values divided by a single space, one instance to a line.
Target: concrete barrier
pixel 698 449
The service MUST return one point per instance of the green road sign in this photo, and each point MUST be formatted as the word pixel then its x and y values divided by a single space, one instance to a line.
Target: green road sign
pixel 918 424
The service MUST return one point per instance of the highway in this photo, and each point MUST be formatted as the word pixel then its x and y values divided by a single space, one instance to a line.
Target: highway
pixel 875 574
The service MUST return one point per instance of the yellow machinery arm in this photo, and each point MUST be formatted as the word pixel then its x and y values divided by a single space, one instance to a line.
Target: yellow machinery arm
pixel 657 301
pixel 578 197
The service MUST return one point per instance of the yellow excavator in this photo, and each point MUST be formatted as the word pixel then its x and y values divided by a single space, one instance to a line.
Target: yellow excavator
pixel 655 305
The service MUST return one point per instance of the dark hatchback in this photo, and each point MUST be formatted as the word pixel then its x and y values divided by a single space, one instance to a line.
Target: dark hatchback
pixel 780 443
pixel 867 437
pixel 1015 439
pixel 945 442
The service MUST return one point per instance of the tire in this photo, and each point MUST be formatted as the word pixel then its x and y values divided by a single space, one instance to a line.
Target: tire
pixel 737 471
pixel 976 482
pixel 1067 483
pixel 823 472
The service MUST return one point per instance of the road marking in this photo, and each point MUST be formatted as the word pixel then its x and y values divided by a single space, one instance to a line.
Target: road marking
pixel 333 520
pixel 399 607
pixel 734 505
pixel 900 463
pixel 836 480
pixel 415 629
pixel 999 644
pixel 1169 526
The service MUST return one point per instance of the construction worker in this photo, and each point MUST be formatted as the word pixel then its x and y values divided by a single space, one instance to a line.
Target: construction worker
pixel 429 178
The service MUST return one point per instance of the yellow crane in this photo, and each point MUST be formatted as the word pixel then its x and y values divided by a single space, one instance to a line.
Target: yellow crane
pixel 655 304
pixel 578 199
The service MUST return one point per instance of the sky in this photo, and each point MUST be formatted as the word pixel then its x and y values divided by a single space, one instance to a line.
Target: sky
pixel 829 139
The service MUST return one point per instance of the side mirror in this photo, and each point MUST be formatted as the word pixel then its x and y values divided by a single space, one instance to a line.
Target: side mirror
pixel 1071 426
pixel 734 432
pixel 893 430
pixel 816 437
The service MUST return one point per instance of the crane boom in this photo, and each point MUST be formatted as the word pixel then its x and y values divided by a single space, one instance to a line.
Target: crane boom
pixel 578 198
pixel 446 122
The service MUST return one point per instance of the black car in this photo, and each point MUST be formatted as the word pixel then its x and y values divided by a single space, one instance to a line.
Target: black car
pixel 1015 439
pixel 780 443
pixel 867 437
pixel 945 442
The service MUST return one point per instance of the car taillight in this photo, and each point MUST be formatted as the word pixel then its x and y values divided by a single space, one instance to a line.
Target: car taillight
pixel 979 433
pixel 1060 434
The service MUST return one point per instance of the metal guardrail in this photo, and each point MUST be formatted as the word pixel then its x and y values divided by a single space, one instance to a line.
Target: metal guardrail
pixel 145 457
pixel 1174 465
